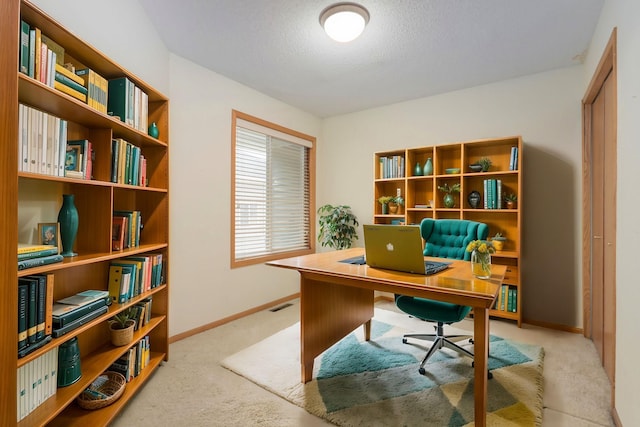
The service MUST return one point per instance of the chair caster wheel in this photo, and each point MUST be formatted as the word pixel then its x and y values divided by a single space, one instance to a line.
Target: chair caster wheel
pixel 422 371
pixel 404 340
pixel 489 375
pixel 470 340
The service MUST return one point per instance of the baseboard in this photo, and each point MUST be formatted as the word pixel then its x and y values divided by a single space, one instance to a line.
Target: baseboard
pixel 236 316
pixel 556 326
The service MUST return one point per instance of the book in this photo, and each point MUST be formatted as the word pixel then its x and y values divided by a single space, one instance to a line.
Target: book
pixel 23 297
pixel 115 284
pixel 84 297
pixel 117 232
pixel 70 91
pixel 55 48
pixel 32 306
pixel 36 262
pixel 95 84
pixel 26 248
pixel 48 312
pixel 69 82
pixel 61 69
pixel 37 254
pixel 41 297
pixel 57 332
pixel 24 47
pixel 120 102
pixel 63 314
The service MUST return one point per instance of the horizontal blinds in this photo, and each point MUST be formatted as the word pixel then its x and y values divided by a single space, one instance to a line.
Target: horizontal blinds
pixel 271 195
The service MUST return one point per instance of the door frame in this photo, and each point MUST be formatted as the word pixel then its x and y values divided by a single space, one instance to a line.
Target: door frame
pixel 607 67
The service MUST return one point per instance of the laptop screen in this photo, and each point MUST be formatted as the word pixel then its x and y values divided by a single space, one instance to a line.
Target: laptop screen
pixel 394 247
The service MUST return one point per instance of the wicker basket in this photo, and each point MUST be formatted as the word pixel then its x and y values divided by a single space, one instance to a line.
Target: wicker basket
pixel 120 337
pixel 105 390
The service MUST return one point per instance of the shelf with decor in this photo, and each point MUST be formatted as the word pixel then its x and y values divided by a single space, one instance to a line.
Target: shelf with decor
pixel 483 173
pixel 34 196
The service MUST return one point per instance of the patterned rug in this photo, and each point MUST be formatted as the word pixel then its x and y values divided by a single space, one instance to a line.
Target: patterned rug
pixel 376 383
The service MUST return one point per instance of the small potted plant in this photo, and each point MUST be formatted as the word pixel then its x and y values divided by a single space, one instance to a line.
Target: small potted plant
pixel 485 162
pixel 449 200
pixel 121 327
pixel 511 200
pixel 337 226
pixel 498 241
pixel 384 201
pixel 395 203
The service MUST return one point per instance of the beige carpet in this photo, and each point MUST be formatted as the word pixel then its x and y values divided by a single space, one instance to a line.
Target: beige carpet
pixel 377 383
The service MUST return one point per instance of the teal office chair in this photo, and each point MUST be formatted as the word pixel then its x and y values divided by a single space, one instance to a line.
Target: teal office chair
pixel 445 238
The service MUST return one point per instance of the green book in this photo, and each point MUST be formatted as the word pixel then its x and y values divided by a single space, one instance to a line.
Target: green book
pixel 119 98
pixel 23 296
pixel 24 47
pixel 68 82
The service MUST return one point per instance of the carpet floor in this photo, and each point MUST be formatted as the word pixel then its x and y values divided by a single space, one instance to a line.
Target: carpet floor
pixel 377 383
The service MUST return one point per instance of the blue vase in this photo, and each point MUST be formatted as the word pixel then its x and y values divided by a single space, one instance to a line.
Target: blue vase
pixel 428 167
pixel 153 130
pixel 68 219
pixel 417 171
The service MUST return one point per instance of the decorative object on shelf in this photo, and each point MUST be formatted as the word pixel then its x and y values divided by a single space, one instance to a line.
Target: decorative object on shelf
pixel 511 200
pixel 475 167
pixel 481 258
pixel 451 171
pixel 427 169
pixel 153 130
pixel 337 226
pixel 417 170
pixel 449 200
pixel 485 162
pixel 384 201
pixel 103 391
pixel 395 203
pixel 474 199
pixel 498 241
pixel 121 328
pixel 69 363
pixel 68 219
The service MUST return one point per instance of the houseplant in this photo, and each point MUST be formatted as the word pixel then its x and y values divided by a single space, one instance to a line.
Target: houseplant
pixel 485 162
pixel 498 241
pixel 481 258
pixel 449 200
pixel 121 327
pixel 384 202
pixel 395 203
pixel 511 200
pixel 337 226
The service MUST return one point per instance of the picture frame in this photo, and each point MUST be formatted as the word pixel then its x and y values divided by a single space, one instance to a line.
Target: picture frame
pixel 73 159
pixel 49 234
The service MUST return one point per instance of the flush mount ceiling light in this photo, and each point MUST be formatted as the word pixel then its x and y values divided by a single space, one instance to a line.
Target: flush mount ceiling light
pixel 344 22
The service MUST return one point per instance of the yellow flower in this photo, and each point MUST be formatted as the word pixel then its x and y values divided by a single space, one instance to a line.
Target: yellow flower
pixel 481 246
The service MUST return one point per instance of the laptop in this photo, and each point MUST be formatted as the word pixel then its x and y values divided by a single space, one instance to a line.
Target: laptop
pixel 398 247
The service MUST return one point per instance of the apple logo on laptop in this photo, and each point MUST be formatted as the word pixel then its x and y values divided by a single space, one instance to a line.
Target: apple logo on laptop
pixel 390 247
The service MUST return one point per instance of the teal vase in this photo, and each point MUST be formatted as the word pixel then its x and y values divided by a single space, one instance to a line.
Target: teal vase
pixel 428 167
pixel 153 130
pixel 449 201
pixel 68 219
pixel 417 171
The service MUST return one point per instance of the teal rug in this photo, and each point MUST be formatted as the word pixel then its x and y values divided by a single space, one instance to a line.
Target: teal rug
pixel 376 383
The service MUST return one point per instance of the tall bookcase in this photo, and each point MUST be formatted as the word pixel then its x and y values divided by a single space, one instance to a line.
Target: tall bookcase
pixel 423 199
pixel 24 193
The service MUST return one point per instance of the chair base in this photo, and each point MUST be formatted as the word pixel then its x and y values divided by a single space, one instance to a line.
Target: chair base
pixel 440 341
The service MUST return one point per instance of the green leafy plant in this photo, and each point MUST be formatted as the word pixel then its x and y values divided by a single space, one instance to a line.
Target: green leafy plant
pixel 121 320
pixel 499 237
pixel 485 162
pixel 511 197
pixel 398 200
pixel 337 226
pixel 383 200
pixel 446 188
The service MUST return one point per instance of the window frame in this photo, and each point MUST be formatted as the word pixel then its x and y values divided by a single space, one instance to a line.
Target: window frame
pixel 235 116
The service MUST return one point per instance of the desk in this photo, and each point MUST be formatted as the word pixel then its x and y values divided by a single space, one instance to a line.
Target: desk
pixel 336 298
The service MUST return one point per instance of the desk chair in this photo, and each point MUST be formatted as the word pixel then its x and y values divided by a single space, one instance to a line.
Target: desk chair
pixel 445 238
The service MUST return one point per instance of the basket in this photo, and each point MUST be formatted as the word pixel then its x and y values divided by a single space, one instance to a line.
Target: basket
pixel 120 337
pixel 105 390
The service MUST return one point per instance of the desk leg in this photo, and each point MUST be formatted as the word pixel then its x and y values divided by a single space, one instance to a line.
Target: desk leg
pixel 329 312
pixel 481 356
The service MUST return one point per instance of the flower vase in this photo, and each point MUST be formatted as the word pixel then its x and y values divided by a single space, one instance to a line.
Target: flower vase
pixel 428 167
pixel 153 130
pixel 68 219
pixel 385 208
pixel 449 201
pixel 417 170
pixel 481 264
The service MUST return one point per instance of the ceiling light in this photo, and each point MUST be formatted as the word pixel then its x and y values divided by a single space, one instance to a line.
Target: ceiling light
pixel 344 22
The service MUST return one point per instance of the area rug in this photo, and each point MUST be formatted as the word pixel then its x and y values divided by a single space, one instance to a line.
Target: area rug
pixel 376 383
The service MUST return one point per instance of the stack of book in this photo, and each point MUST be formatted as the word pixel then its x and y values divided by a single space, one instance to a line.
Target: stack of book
pixel 128 164
pixel 42 142
pixel 134 275
pixel 37 381
pixel 134 360
pixel 35 255
pixel 74 311
pixel 35 323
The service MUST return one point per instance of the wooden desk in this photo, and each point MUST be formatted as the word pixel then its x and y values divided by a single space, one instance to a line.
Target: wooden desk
pixel 336 298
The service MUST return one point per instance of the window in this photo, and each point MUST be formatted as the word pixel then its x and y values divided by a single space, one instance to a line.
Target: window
pixel 273 212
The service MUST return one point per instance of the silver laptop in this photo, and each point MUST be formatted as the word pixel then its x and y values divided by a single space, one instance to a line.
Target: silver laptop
pixel 397 247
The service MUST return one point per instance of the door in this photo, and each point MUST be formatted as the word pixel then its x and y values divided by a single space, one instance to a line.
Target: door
pixel 600 175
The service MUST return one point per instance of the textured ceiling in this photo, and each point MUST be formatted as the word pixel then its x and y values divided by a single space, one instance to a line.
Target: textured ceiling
pixel 410 48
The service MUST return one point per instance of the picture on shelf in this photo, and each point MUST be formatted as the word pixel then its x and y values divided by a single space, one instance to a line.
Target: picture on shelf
pixel 73 160
pixel 49 233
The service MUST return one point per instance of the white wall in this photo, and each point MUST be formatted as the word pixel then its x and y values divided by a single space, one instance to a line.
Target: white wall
pixel 544 109
pixel 204 288
pixel 624 14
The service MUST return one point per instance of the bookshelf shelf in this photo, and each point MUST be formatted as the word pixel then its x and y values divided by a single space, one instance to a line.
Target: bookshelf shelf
pixel 30 198
pixel 420 191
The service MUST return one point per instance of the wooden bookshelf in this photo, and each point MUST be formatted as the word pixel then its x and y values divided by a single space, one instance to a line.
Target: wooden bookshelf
pixel 419 191
pixel 96 200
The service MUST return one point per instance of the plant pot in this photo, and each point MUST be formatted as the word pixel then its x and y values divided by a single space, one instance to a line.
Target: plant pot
pixel 393 208
pixel 119 336
pixel 498 244
pixel 510 204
